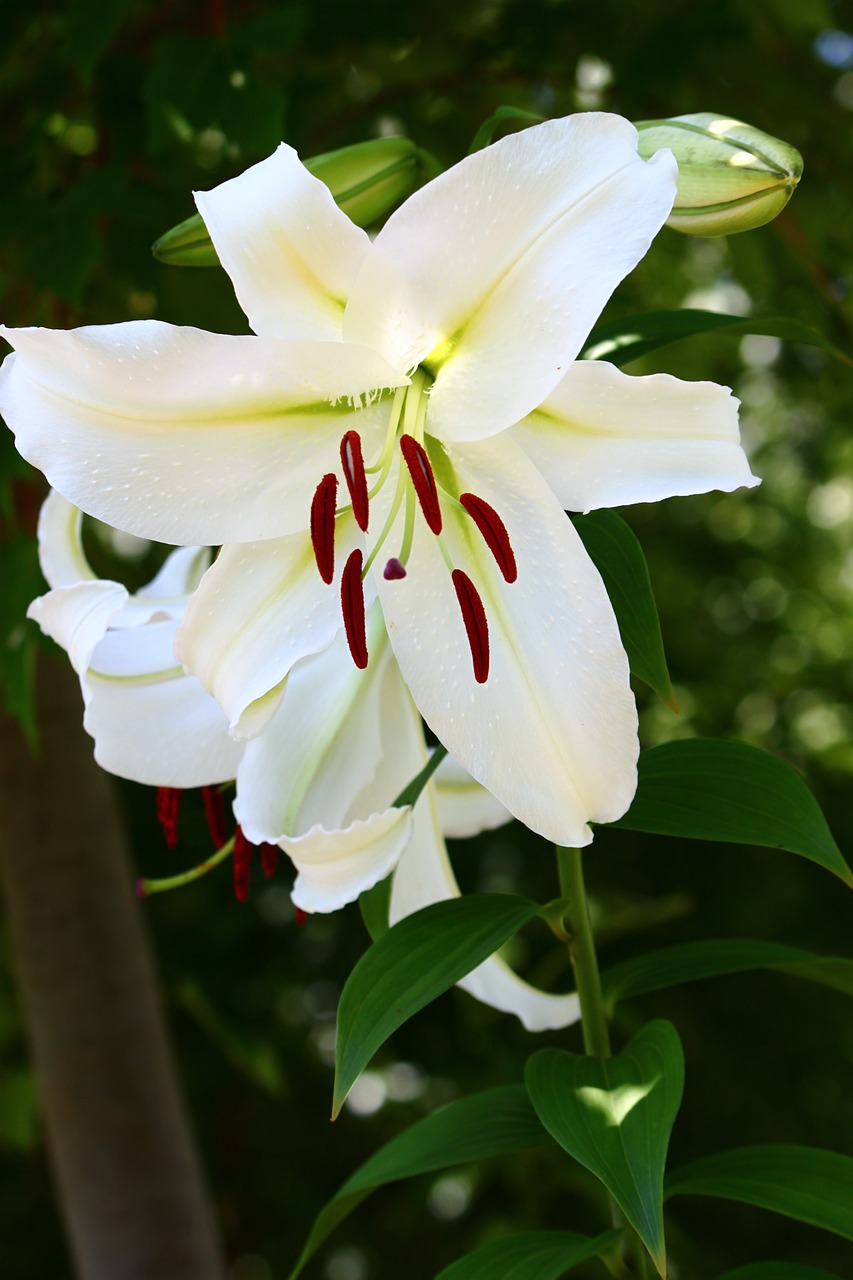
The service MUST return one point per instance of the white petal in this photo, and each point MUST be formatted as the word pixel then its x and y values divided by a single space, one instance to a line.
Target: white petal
pixel 342 744
pixel 335 867
pixel 260 608
pixel 291 254
pixel 604 439
pixel 424 876
pixel 186 436
pixel 553 731
pixel 61 556
pixel 495 271
pixel 177 577
pixel 151 722
pixel 77 617
pixel 464 807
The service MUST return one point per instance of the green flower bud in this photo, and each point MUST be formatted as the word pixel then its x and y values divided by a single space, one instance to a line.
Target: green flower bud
pixel 368 180
pixel 731 177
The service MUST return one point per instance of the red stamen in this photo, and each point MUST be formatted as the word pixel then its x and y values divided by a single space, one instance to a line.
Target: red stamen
pixel 476 626
pixel 494 533
pixel 168 804
pixel 323 525
pixel 300 916
pixel 420 470
pixel 269 859
pixel 242 861
pixel 394 570
pixel 215 814
pixel 352 461
pixel 352 605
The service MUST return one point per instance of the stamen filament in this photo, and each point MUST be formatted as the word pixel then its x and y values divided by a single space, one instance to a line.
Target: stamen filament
pixel 323 525
pixel 386 528
pixel 352 607
pixel 383 462
pixel 476 626
pixel 494 533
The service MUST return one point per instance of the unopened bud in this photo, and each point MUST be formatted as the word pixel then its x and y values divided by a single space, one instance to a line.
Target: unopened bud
pixel 731 177
pixel 367 180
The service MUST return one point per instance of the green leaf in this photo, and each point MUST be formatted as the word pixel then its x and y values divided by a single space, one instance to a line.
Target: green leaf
pixel 530 1255
pixel 670 966
pixel 621 341
pixel 491 1123
pixel 374 903
pixel 614 1116
pixel 618 557
pixel 800 1182
pixel 410 965
pixel 489 128
pixel 777 1271
pixel 710 789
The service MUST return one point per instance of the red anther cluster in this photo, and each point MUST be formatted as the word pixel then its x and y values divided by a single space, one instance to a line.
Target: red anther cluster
pixel 215 813
pixel 416 459
pixel 352 462
pixel 352 607
pixel 323 525
pixel 168 807
pixel 241 863
pixel 494 533
pixel 476 626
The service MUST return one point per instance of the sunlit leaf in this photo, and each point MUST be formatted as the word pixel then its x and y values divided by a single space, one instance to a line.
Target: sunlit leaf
pixel 410 965
pixel 614 1116
pixel 491 1123
pixel 710 789
pixel 618 557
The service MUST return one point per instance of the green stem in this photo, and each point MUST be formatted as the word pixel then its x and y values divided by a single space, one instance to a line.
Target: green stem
pixel 596 1037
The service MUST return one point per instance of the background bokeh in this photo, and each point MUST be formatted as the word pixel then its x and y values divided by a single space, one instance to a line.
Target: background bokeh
pixel 112 114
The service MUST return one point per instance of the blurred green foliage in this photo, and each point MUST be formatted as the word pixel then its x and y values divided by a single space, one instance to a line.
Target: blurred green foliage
pixel 112 114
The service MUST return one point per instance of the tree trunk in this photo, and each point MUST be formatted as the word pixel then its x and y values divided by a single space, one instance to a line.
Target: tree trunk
pixel 127 1176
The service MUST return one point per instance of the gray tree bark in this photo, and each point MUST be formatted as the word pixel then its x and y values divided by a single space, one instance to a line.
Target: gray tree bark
pixel 127 1176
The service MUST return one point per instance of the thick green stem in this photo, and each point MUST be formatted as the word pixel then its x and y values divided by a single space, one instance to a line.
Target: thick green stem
pixel 596 1037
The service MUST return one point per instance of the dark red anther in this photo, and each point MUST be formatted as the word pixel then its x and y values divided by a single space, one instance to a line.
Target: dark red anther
pixel 476 626
pixel 269 859
pixel 420 469
pixel 299 916
pixel 394 570
pixel 168 804
pixel 352 605
pixel 494 533
pixel 215 813
pixel 241 861
pixel 356 477
pixel 323 525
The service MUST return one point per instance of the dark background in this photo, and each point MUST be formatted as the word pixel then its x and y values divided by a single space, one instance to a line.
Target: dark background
pixel 112 113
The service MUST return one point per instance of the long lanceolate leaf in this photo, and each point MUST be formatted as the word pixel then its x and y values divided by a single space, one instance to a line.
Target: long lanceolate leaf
pixel 530 1255
pixel 805 1183
pixel 621 341
pixel 411 964
pixel 614 1116
pixel 710 789
pixel 670 966
pixel 494 1122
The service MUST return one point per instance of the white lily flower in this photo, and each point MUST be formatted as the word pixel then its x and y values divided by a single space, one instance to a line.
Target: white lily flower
pixel 319 782
pixel 433 368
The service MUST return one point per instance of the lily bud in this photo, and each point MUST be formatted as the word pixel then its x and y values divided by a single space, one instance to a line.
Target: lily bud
pixel 731 177
pixel 367 181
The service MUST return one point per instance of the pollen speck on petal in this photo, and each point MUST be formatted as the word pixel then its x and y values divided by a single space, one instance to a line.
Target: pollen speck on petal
pixel 476 625
pixel 352 606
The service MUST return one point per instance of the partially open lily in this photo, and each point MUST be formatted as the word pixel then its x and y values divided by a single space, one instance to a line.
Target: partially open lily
pixel 319 781
pixel 408 420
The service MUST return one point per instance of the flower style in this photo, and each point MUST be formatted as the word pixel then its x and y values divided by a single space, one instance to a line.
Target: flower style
pixel 408 420
pixel 319 781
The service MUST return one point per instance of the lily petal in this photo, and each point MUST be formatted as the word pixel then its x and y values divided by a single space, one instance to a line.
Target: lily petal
pixel 186 436
pixel 553 730
pixel 603 438
pixel 334 868
pixel 464 807
pixel 493 274
pixel 61 556
pixel 291 253
pixel 260 608
pixel 151 722
pixel 77 617
pixel 424 876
